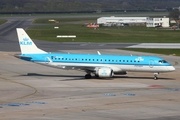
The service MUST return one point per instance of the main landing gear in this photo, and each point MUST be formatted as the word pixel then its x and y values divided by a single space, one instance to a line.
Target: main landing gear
pixel 88 76
pixel 156 76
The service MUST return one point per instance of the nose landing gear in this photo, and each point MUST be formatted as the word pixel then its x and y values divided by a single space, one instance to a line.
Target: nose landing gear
pixel 156 76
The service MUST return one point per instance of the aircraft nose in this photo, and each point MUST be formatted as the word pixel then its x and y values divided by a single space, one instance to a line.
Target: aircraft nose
pixel 171 68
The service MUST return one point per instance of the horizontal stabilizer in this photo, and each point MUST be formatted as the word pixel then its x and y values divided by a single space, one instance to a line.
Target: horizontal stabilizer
pixel 23 57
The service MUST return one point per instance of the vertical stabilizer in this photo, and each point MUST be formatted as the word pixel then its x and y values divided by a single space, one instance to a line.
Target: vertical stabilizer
pixel 27 46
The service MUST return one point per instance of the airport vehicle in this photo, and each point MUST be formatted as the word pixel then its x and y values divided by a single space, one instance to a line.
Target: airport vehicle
pixel 102 66
pixel 95 26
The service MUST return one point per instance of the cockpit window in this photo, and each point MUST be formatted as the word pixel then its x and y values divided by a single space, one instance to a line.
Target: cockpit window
pixel 162 61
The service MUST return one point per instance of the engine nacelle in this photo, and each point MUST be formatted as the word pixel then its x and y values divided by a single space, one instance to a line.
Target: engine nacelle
pixel 105 72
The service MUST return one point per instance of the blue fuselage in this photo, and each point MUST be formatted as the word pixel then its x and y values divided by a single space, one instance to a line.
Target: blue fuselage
pixel 116 62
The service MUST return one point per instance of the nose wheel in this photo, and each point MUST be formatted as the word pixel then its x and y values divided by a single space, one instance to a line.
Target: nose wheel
pixel 156 76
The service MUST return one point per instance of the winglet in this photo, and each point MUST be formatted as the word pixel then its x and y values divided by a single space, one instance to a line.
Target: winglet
pixel 27 46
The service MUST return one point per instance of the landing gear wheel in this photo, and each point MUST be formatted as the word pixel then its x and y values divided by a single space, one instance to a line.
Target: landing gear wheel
pixel 88 76
pixel 155 76
pixel 97 76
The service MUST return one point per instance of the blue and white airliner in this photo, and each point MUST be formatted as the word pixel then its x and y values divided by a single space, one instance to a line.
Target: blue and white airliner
pixel 102 66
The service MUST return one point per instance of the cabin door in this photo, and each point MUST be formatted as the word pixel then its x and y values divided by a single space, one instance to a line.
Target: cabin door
pixel 151 63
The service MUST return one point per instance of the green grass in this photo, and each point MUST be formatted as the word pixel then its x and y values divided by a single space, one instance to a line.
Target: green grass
pixel 105 34
pixel 156 51
pixel 63 20
pixel 2 21
pixel 136 34
pixel 75 26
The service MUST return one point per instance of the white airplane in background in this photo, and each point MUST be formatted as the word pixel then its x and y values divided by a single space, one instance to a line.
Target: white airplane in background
pixel 103 66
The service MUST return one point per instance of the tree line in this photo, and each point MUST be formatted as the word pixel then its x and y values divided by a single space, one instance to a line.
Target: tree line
pixel 28 6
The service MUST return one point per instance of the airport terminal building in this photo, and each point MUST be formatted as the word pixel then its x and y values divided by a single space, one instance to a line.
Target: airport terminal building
pixel 149 22
pixel 154 22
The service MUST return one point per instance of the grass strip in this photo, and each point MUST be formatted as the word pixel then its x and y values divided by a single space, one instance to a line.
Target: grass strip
pixel 175 52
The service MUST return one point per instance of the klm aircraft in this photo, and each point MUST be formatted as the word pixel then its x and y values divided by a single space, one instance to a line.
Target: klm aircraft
pixel 102 66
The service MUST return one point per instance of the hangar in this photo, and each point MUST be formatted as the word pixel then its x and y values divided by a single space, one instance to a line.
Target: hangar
pixel 112 19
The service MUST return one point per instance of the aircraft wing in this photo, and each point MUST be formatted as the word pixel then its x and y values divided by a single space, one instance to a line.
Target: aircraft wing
pixel 81 68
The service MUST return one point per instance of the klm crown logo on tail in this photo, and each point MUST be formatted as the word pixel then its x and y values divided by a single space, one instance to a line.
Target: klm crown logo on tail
pixel 25 42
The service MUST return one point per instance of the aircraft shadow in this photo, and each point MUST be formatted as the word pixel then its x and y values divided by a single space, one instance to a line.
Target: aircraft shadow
pixel 142 77
pixel 80 77
pixel 74 77
pixel 46 75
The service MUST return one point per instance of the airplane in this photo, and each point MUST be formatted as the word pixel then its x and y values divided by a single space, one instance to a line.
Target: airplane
pixel 101 65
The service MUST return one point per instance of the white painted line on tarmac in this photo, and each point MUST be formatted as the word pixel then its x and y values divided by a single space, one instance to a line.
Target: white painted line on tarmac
pixel 83 44
pixel 156 45
pixel 102 44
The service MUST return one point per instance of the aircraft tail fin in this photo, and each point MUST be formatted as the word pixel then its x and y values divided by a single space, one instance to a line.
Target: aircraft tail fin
pixel 27 46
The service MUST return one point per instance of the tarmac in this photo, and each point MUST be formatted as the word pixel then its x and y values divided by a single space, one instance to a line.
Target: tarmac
pixel 30 91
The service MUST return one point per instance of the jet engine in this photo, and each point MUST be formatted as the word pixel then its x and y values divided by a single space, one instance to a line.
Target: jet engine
pixel 105 72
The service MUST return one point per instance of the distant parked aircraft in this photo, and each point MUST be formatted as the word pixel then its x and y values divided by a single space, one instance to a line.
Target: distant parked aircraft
pixel 92 26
